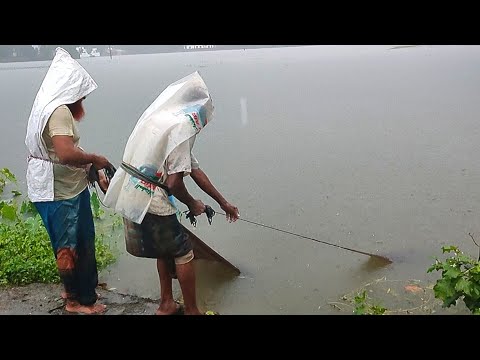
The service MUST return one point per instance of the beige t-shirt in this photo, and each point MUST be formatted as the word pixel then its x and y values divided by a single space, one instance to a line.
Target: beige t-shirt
pixel 181 159
pixel 69 181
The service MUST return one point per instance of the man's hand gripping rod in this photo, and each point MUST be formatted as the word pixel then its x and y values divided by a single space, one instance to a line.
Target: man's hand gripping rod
pixel 208 211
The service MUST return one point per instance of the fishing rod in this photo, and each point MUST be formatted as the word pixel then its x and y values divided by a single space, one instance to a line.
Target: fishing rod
pixel 110 171
pixel 210 213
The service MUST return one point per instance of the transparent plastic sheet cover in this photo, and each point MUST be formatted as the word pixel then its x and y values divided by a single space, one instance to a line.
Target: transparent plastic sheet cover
pixel 66 82
pixel 181 111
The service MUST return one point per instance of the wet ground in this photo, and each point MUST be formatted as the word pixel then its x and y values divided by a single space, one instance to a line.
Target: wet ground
pixel 44 299
pixel 391 297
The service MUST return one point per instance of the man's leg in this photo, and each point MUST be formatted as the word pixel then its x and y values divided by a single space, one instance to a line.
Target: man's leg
pixel 86 265
pixel 186 278
pixel 164 236
pixel 168 306
pixel 54 215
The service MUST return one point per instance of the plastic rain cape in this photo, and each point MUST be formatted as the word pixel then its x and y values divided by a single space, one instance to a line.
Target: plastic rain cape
pixel 181 111
pixel 66 82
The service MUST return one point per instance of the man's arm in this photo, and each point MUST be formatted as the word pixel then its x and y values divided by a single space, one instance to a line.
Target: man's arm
pixel 69 154
pixel 177 188
pixel 204 183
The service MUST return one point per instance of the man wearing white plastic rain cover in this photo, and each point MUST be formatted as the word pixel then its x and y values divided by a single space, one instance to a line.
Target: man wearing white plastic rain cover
pixel 159 151
pixel 57 178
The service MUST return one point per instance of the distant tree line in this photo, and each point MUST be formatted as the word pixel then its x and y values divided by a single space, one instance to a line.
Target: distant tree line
pixel 12 53
pixel 152 49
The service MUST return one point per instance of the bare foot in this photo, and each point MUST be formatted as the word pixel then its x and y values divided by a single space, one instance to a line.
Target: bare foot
pixel 171 308
pixel 75 307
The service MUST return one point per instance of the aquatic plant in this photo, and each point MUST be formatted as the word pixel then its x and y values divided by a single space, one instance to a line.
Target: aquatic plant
pixel 460 279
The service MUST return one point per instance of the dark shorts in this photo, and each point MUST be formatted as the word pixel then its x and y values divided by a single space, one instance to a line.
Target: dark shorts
pixel 158 237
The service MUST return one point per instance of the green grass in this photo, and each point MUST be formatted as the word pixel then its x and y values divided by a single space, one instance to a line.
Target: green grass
pixel 26 255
